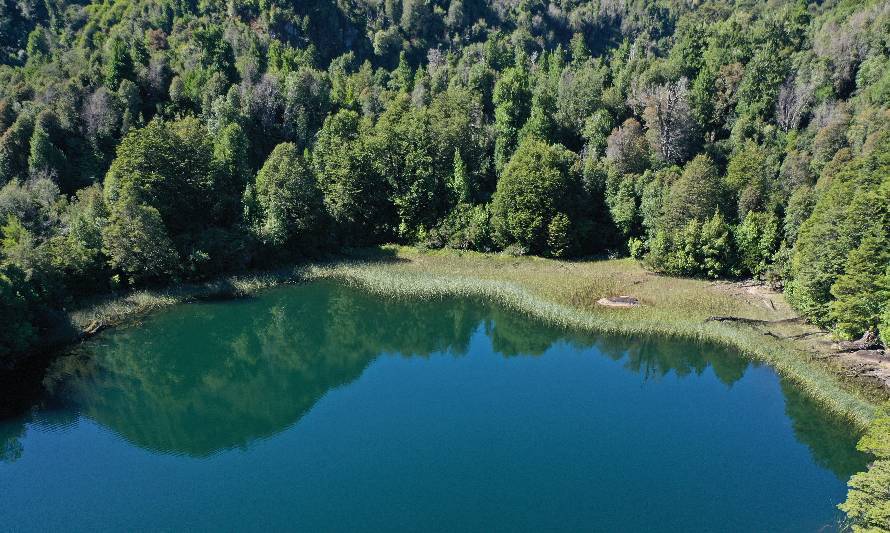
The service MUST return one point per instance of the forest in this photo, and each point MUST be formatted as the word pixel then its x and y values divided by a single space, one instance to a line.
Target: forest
pixel 149 142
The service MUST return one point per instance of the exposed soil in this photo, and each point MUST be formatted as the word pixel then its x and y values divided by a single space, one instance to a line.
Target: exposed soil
pixel 863 360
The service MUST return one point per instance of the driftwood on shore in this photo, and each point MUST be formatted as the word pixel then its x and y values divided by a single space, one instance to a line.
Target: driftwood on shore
pixel 869 341
pixel 619 301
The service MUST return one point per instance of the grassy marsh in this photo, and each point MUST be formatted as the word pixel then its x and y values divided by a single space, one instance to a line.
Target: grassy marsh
pixel 563 293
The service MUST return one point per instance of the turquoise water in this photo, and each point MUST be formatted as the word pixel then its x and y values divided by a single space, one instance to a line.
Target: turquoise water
pixel 321 408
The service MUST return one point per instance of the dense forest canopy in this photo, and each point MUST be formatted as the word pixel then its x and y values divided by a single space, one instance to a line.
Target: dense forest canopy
pixel 148 141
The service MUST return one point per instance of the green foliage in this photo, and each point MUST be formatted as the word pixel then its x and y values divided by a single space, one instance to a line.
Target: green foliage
pixel 695 196
pixel 868 500
pixel 757 240
pixel 637 248
pixel 289 204
pixel 231 158
pixel 17 300
pixel 44 158
pixel 137 244
pixel 696 249
pixel 459 183
pixel 621 197
pixel 862 292
pixel 467 227
pixel 512 100
pixel 118 65
pixel 356 196
pixel 559 237
pixel 15 238
pixel 749 175
pixel 536 186
pixel 760 85
pixel 856 203
pixel 884 326
pixel 77 253
pixel 14 148
pixel 169 166
pixel 799 208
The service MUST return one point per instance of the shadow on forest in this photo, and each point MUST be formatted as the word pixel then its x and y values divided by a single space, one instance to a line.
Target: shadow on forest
pixel 207 377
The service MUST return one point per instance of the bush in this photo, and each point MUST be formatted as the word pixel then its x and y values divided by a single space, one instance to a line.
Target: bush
pixel 696 249
pixel 637 248
pixel 467 227
pixel 559 240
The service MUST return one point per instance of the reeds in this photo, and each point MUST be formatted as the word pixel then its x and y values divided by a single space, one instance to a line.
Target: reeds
pixel 560 293
pixel 789 360
pixel 113 310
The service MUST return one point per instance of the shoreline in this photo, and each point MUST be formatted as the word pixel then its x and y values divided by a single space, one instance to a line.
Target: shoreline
pixel 522 285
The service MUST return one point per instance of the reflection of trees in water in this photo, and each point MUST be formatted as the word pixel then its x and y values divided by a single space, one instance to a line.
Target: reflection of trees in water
pixel 10 441
pixel 831 440
pixel 198 379
pixel 658 356
pixel 203 378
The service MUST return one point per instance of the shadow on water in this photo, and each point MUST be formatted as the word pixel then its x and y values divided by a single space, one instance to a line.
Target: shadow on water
pixel 203 378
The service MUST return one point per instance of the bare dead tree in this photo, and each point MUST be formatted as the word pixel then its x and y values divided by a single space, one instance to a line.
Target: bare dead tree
pixel 670 128
pixel 795 97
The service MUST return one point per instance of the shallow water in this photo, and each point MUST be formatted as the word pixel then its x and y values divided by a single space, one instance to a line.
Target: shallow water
pixel 321 408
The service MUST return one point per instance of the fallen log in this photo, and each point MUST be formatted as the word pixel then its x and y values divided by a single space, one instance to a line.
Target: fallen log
pixel 735 319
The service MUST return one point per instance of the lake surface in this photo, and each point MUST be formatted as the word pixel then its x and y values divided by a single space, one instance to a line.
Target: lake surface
pixel 321 408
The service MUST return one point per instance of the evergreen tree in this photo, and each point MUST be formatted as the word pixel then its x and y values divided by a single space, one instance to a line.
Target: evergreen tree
pixel 862 292
pixel 512 100
pixel 44 158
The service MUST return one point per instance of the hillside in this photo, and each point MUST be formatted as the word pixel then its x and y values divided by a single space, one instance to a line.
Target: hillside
pixel 149 142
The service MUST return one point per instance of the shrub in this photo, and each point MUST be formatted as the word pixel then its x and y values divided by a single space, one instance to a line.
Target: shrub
pixel 696 249
pixel 559 239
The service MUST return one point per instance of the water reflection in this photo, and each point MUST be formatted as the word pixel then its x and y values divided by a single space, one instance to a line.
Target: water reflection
pixel 203 378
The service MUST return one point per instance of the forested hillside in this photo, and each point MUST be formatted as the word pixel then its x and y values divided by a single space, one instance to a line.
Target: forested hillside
pixel 145 142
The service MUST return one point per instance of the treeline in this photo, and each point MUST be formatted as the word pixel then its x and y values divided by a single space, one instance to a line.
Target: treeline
pixel 146 142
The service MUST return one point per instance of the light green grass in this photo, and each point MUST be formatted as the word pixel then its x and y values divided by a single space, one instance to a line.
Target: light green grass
pixel 564 294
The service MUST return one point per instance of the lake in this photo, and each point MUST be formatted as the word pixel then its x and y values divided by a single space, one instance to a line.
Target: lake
pixel 319 407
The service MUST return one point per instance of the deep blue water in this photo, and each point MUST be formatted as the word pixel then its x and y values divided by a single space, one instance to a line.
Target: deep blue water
pixel 321 408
